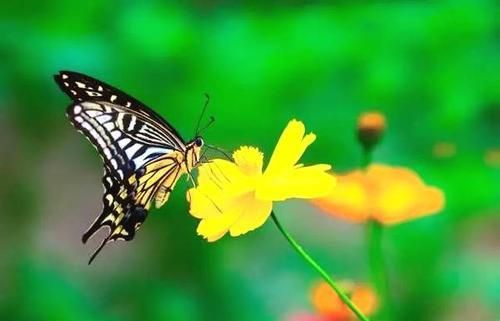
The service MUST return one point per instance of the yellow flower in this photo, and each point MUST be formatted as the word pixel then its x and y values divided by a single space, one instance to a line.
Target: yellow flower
pixel 328 304
pixel 389 195
pixel 237 197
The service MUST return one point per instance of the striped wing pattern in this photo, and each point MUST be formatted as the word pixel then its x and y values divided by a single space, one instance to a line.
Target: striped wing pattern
pixel 81 88
pixel 165 169
pixel 141 152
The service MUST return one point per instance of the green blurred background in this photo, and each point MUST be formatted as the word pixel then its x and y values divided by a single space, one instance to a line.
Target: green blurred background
pixel 432 67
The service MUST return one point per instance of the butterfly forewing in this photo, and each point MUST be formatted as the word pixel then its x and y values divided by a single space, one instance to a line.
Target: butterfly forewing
pixel 80 87
pixel 139 149
pixel 125 140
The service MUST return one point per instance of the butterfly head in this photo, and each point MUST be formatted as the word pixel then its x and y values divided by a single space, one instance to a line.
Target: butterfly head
pixel 198 142
pixel 193 151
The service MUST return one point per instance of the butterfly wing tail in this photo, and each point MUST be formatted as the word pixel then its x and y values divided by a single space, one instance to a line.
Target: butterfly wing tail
pixel 96 226
pixel 123 228
pixel 97 250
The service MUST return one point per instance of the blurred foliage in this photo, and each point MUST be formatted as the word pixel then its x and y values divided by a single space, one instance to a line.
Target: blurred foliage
pixel 431 67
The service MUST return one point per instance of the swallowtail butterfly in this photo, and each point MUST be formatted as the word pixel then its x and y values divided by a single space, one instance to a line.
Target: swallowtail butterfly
pixel 143 155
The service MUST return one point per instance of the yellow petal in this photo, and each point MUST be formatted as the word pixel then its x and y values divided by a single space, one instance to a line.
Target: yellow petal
pixel 290 147
pixel 249 160
pixel 214 227
pixel 209 193
pixel 303 182
pixel 220 178
pixel 242 214
pixel 218 183
pixel 201 205
pixel 253 213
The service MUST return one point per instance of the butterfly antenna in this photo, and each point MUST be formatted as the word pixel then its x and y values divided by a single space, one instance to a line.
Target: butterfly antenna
pixel 207 100
pixel 210 122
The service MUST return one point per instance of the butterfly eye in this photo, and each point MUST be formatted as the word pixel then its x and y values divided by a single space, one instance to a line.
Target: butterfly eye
pixel 198 142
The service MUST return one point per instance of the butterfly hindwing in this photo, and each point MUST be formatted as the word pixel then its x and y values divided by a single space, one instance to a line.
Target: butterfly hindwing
pixel 159 179
pixel 121 213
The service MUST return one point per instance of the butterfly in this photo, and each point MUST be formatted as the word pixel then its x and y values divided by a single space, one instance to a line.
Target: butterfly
pixel 143 155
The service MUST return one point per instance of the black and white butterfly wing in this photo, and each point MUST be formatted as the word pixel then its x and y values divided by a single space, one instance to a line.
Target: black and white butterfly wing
pixel 83 88
pixel 129 137
pixel 121 213
pixel 125 139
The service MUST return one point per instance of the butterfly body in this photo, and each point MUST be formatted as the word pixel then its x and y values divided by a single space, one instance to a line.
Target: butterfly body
pixel 143 155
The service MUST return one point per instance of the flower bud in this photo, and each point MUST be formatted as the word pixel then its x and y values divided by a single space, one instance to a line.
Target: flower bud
pixel 371 126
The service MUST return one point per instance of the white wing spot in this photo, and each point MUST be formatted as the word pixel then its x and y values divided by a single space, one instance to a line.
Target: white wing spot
pixel 103 118
pixel 115 134
pixel 101 142
pixel 73 92
pixel 80 84
pixel 78 119
pixel 107 152
pixel 99 88
pixel 93 94
pixel 114 163
pixel 110 217
pixel 93 113
pixel 87 127
pixel 109 198
pixel 131 125
pixel 93 133
pixel 112 98
pixel 66 84
pixel 109 126
pixel 132 150
pixel 77 109
pixel 91 105
pixel 123 142
pixel 128 104
pixel 64 76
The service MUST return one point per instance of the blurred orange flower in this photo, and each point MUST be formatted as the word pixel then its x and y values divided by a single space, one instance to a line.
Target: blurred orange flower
pixel 387 194
pixel 371 121
pixel 492 157
pixel 330 306
pixel 444 150
pixel 371 126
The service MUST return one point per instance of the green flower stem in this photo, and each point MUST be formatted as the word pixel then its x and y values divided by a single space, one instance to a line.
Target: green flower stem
pixel 367 158
pixel 318 269
pixel 374 232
